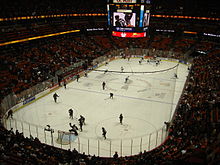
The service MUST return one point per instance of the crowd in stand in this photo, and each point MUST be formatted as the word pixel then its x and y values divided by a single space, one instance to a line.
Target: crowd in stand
pixel 191 135
pixel 22 68
pixel 21 30
pixel 40 7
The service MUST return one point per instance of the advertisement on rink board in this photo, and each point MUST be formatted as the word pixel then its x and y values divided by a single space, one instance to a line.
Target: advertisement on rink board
pixel 28 100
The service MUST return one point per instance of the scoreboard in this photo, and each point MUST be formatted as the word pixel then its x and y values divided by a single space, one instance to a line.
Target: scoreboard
pixel 128 18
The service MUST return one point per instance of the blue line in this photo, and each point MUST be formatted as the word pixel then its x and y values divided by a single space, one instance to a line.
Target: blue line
pixel 123 96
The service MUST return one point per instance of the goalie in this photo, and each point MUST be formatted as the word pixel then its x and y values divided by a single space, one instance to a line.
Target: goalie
pixel 73 129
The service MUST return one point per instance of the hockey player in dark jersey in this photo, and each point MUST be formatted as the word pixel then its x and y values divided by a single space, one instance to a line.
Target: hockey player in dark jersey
pixel 103 85
pixel 71 113
pixel 86 74
pixel 126 79
pixel 10 114
pixel 121 118
pixel 175 76
pixel 83 119
pixel 104 132
pixel 64 84
pixel 122 69
pixel 80 124
pixel 55 97
pixel 111 95
pixel 129 57
pixel 105 71
pixel 77 77
pixel 139 62
pixel 73 129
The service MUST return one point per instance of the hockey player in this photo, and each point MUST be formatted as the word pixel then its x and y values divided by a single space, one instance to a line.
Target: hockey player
pixel 71 113
pixel 167 125
pixel 104 132
pixel 188 68
pixel 111 95
pixel 121 118
pixel 126 79
pixel 73 129
pixel 80 124
pixel 47 128
pixel 139 62
pixel 122 69
pixel 10 114
pixel 103 85
pixel 55 97
pixel 86 74
pixel 123 56
pixel 129 58
pixel 59 77
pixel 105 71
pixel 77 77
pixel 64 84
pixel 175 76
pixel 83 119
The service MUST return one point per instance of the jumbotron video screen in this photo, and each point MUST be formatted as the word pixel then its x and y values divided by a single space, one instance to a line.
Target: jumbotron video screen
pixel 129 18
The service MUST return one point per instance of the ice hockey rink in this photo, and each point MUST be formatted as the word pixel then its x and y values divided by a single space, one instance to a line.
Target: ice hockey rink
pixel 146 101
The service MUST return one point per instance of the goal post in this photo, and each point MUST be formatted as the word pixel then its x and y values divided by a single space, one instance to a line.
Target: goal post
pixel 65 138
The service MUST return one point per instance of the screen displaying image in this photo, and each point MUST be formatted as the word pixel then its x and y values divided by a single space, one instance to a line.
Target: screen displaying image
pixel 146 19
pixel 124 19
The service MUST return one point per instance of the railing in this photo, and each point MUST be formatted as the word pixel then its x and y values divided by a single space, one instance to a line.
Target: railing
pixel 97 146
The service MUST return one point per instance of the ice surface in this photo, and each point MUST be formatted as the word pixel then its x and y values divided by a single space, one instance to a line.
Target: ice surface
pixel 146 102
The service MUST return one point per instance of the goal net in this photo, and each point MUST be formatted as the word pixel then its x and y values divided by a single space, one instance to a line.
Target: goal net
pixel 65 138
